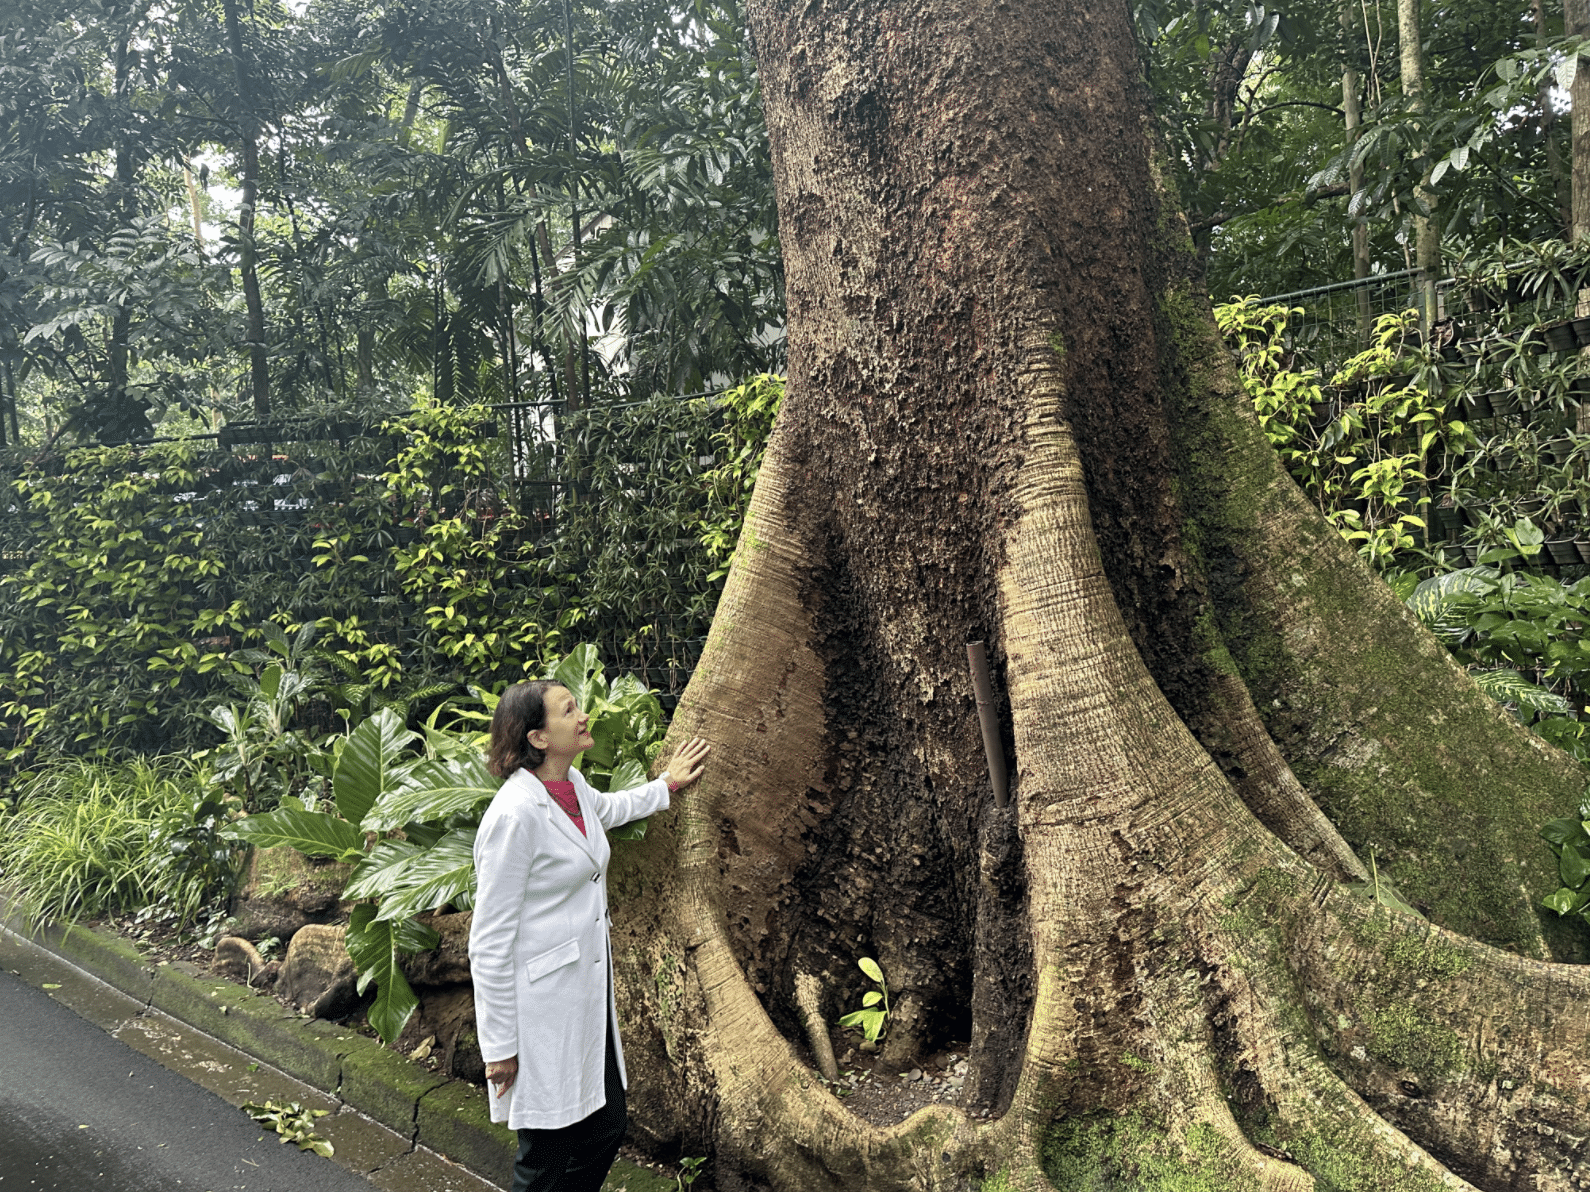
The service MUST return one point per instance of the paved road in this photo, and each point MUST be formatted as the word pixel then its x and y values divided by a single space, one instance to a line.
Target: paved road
pixel 81 1110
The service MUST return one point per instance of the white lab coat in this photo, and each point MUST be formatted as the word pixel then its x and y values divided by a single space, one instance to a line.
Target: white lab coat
pixel 539 950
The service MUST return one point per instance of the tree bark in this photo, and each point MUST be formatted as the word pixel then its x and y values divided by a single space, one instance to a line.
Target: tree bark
pixel 1576 23
pixel 1426 232
pixel 248 136
pixel 1009 418
pixel 1352 109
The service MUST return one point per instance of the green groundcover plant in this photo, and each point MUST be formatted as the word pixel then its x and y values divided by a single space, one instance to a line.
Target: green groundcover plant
pixel 85 839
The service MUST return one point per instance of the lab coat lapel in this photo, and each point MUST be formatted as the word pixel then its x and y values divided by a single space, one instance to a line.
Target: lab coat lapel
pixel 564 823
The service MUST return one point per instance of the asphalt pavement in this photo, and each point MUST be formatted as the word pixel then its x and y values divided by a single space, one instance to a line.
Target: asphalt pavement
pixel 80 1109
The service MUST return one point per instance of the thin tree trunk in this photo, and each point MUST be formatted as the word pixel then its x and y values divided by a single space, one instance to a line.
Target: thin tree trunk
pixel 1352 110
pixel 1010 419
pixel 1426 234
pixel 248 134
pixel 194 208
pixel 116 419
pixel 1576 23
pixel 1561 184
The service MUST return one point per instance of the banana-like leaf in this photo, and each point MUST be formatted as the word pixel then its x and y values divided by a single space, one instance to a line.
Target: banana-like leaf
pixel 1510 687
pixel 627 774
pixel 1434 601
pixel 433 790
pixel 384 870
pixel 369 765
pixel 313 833
pixel 374 945
pixel 634 830
pixel 581 673
pixel 437 876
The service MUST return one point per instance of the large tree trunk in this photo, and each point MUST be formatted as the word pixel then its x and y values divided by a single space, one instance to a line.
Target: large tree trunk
pixel 1009 418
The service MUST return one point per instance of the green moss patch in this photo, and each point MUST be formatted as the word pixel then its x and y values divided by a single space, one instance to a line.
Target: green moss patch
pixel 1101 1153
pixel 1400 1035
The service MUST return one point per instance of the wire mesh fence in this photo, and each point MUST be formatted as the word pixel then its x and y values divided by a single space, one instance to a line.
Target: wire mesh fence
pixel 608 500
pixel 1336 321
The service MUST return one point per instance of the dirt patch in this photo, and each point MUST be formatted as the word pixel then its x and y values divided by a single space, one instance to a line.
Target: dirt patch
pixel 881 1098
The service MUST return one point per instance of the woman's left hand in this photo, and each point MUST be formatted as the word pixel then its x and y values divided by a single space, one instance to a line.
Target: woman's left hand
pixel 688 762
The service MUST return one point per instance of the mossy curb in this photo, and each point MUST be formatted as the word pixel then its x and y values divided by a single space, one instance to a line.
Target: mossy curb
pixel 313 1051
pixel 109 957
pixel 455 1120
pixel 384 1085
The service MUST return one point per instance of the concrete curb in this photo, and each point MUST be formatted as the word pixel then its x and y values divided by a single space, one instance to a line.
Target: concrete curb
pixel 446 1115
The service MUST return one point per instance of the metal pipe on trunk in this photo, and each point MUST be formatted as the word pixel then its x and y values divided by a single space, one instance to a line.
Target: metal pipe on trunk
pixel 988 717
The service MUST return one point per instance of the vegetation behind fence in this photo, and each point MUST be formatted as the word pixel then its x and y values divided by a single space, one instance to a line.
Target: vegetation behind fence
pixel 452 546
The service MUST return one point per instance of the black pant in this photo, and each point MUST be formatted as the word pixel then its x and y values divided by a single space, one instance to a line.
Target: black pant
pixel 575 1158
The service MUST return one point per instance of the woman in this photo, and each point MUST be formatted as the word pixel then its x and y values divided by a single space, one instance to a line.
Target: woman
pixel 538 944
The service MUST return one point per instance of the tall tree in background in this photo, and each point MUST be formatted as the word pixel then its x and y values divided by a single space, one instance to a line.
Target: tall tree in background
pixel 1010 418
pixel 248 251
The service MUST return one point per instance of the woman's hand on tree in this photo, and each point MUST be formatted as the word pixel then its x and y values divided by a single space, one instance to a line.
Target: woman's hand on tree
pixel 501 1073
pixel 689 762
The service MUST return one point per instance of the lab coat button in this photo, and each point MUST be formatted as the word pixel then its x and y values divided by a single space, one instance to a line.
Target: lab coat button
pixel 594 876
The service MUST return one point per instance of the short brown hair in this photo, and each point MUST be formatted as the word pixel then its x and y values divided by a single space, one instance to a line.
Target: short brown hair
pixel 522 709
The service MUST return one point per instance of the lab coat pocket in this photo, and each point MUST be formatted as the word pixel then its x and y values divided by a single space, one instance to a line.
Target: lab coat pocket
pixel 539 966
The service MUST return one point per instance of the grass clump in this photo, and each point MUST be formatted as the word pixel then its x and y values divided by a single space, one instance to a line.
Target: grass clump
pixel 87 838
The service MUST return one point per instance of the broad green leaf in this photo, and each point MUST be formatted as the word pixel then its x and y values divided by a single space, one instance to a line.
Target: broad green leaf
pixel 1573 867
pixel 1508 686
pixel 1436 600
pixel 433 790
pixel 634 830
pixel 870 966
pixel 1562 901
pixel 374 945
pixel 1382 892
pixel 581 673
pixel 437 876
pixel 313 833
pixel 626 775
pixel 1565 831
pixel 871 998
pixel 369 764
pixel 607 736
pixel 383 870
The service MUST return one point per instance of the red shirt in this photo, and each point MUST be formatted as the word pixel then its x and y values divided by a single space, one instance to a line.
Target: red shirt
pixel 563 795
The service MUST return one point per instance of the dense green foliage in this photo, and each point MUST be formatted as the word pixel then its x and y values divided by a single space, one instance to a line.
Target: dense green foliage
pixel 84 839
pixel 1252 101
pixel 152 603
pixel 469 199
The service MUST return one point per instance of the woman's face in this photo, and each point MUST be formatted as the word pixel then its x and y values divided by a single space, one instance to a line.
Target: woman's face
pixel 566 732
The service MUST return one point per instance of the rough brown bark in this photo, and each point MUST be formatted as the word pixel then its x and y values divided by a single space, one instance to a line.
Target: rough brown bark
pixel 1009 419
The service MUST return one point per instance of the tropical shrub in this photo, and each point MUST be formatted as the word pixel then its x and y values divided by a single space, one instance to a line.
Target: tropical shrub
pixel 405 807
pixel 1521 636
pixel 1370 462
pixel 748 412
